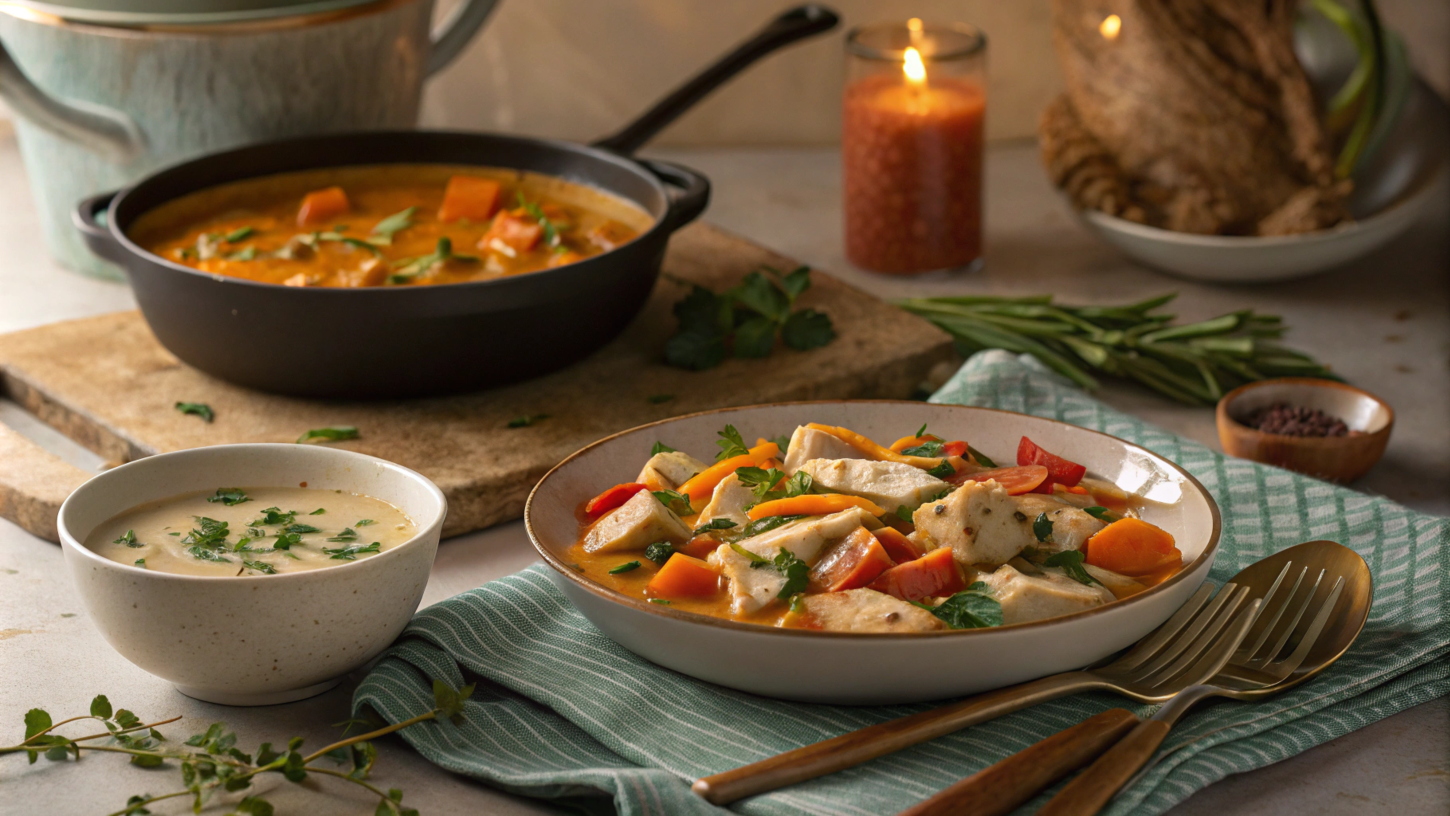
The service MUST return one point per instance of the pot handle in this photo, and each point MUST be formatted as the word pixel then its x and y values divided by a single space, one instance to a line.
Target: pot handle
pixel 106 131
pixel 97 236
pixel 694 192
pixel 796 24
pixel 454 34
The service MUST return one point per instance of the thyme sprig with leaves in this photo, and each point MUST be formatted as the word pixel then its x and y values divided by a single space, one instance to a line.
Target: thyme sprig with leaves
pixel 211 761
pixel 1194 363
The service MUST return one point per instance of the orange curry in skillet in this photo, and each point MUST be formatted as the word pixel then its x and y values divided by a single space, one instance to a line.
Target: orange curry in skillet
pixel 389 225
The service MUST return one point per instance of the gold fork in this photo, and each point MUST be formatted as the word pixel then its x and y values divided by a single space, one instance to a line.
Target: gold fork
pixel 1186 650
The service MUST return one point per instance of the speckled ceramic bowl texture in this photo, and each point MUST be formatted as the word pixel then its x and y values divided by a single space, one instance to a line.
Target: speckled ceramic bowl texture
pixel 836 667
pixel 261 639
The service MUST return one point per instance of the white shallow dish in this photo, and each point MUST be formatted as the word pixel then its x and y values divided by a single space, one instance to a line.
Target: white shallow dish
pixel 1390 194
pixel 850 668
pixel 252 640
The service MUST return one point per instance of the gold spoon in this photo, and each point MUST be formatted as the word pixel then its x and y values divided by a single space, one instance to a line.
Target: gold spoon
pixel 1299 586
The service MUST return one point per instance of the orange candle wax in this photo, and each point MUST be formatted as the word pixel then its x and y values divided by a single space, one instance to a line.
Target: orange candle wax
pixel 912 151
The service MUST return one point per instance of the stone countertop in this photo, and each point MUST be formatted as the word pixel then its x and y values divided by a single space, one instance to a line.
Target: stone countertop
pixel 1384 323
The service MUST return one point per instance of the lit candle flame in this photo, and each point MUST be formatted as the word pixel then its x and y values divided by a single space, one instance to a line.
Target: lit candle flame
pixel 1110 26
pixel 913 67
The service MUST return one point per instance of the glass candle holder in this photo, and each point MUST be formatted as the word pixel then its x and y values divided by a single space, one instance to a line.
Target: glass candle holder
pixel 911 145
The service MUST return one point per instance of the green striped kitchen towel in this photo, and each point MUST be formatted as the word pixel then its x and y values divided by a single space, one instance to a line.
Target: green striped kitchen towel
pixel 561 711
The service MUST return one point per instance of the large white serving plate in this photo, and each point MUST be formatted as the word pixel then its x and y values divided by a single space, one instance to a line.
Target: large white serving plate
pixel 839 667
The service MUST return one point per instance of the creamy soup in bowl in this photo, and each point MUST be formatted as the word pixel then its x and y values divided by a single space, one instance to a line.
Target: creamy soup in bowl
pixel 332 607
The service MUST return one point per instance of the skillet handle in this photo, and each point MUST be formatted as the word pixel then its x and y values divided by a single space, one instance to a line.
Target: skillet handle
pixel 694 191
pixel 796 24
pixel 97 236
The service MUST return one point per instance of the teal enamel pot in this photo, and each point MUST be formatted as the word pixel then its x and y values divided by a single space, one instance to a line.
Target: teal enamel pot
pixel 108 91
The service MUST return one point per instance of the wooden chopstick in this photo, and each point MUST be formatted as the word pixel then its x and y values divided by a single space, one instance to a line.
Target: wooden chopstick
pixel 1001 788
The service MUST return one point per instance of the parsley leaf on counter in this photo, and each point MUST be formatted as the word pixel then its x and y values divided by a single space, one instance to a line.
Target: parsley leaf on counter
pixel 335 433
pixel 230 496
pixel 971 608
pixel 199 409
pixel 745 320
pixel 526 420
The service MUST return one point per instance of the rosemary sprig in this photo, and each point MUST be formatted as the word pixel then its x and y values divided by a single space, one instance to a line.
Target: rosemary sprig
pixel 1194 363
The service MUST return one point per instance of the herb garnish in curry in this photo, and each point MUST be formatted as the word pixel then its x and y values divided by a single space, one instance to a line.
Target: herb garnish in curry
pixel 391 225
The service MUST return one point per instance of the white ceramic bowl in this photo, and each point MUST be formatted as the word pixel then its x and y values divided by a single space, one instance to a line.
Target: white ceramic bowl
pixel 252 640
pixel 839 667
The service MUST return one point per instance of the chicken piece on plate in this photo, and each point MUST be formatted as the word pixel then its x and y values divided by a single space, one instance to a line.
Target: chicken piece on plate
pixel 668 470
pixel 866 610
pixel 979 521
pixel 808 443
pixel 1071 526
pixel 753 587
pixel 636 524
pixel 730 499
pixel 1034 597
pixel 889 484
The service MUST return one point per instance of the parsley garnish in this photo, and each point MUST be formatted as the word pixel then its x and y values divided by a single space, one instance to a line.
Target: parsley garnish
pixel 971 608
pixel 659 448
pixel 200 409
pixel 657 399
pixel 552 237
pixel 319 511
pixel 347 534
pixel 230 496
pixel 238 234
pixel 796 572
pixel 731 444
pixel 1102 514
pixel 920 432
pixel 659 552
pixel 260 566
pixel 678 502
pixel 943 470
pixel 931 448
pixel 206 554
pixel 208 533
pixel 527 419
pixel 300 528
pixel 248 254
pixel 407 269
pixel 625 567
pixel 273 515
pixel 714 524
pixel 1042 527
pixel 129 539
pixel 755 560
pixel 351 553
pixel 364 522
pixel 660 601
pixel 286 541
pixel 1071 563
pixel 334 433
pixel 767 484
pixel 766 524
pixel 798 603
pixel 141 562
pixel 782 442
pixel 382 232
pixel 982 458
pixel 745 320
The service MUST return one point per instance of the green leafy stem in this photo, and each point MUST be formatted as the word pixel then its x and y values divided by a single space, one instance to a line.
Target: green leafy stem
pixel 217 763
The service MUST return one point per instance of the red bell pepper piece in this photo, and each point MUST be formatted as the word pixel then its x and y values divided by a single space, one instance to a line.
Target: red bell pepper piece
pixel 612 498
pixel 957 448
pixel 933 574
pixel 1059 470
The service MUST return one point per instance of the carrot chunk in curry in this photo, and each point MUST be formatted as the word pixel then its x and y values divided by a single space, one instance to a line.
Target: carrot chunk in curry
pixel 389 225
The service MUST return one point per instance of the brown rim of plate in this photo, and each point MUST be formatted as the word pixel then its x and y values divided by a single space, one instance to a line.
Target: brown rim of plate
pixel 1313 382
pixel 710 620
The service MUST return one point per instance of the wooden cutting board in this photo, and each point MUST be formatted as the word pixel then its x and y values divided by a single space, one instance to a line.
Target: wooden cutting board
pixel 106 383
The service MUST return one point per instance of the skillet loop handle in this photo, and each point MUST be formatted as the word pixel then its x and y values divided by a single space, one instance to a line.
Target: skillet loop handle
pixel 97 235
pixel 694 193
pixel 797 24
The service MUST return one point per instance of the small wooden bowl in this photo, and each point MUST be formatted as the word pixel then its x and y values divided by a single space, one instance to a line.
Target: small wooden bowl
pixel 1335 458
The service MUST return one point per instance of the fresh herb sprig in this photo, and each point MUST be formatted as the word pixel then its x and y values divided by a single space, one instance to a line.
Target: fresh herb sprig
pixel 197 409
pixel 336 433
pixel 972 608
pixel 211 761
pixel 1194 363
pixel 409 269
pixel 745 320
pixel 1070 562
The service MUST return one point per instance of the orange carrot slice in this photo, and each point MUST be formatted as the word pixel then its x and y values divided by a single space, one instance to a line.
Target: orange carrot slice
pixel 897 545
pixel 812 505
pixel 1016 480
pixel 699 547
pixel 1132 546
pixel 851 564
pixel 322 206
pixel 684 577
pixel 702 484
pixel 469 197
pixel 874 450
pixel 933 574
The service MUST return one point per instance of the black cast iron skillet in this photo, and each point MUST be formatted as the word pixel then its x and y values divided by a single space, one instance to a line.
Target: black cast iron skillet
pixel 408 341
